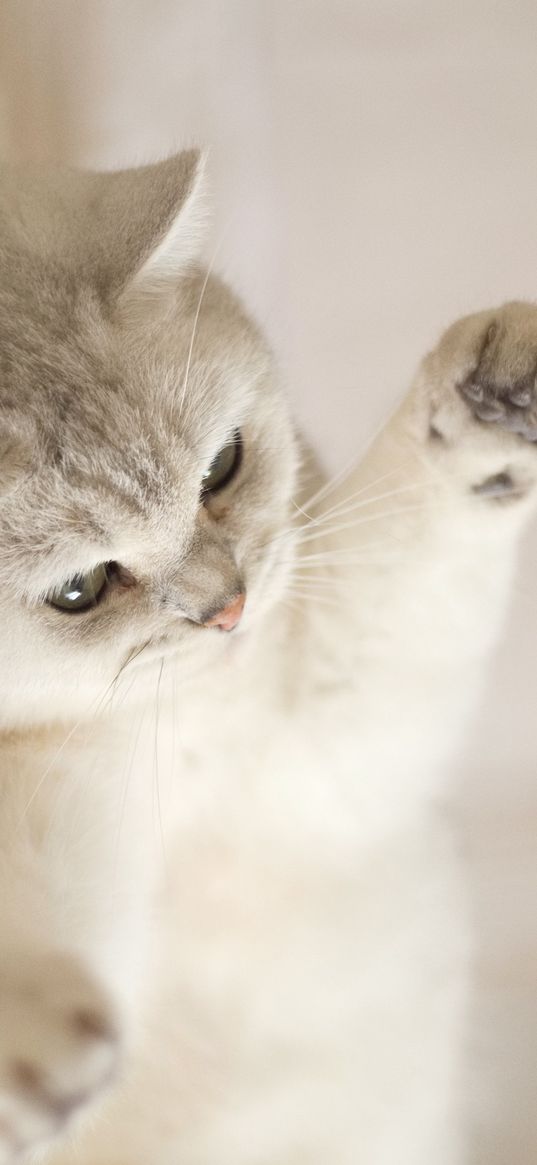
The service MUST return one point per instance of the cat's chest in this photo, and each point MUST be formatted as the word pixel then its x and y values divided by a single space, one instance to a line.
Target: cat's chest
pixel 256 771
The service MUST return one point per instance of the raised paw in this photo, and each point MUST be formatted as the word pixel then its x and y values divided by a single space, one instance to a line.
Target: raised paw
pixel 58 1050
pixel 501 389
pixel 476 396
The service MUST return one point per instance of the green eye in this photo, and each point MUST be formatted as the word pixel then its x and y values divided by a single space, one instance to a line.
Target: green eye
pixel 224 467
pixel 81 591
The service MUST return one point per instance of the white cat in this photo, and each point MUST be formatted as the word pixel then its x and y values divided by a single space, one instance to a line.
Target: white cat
pixel 232 930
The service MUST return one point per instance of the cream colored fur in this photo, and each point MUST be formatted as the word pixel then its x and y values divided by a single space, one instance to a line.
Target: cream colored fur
pixel 232 926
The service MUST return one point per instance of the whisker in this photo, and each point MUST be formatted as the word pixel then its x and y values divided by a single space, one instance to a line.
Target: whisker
pixel 319 535
pixel 333 482
pixel 100 701
pixel 309 517
pixel 339 554
pixel 195 324
pixel 156 767
pixel 329 486
pixel 321 585
pixel 174 704
pixel 311 597
pixel 127 773
pixel 349 505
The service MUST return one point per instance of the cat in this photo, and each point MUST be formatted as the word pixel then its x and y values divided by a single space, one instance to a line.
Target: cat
pixel 232 923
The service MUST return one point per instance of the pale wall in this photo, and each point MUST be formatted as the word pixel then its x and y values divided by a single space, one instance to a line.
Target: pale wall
pixel 375 174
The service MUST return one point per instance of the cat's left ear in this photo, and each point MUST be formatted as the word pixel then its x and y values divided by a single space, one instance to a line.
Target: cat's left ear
pixel 149 224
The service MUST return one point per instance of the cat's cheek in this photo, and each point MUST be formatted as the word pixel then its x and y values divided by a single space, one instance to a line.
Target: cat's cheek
pixel 218 509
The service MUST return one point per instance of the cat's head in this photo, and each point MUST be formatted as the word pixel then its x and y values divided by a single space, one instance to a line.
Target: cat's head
pixel 147 458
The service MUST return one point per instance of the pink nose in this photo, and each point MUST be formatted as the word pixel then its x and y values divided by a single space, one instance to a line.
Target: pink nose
pixel 229 616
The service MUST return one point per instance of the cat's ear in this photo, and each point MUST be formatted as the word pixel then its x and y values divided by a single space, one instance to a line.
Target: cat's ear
pixel 148 224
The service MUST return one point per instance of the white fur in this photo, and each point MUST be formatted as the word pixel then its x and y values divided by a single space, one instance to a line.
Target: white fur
pixel 309 1000
pixel 241 858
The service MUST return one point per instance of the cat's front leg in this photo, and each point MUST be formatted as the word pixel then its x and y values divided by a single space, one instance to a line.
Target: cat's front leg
pixel 422 542
pixel 75 881
pixel 59 1048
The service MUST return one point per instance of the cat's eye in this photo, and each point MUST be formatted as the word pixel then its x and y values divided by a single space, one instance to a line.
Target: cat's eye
pixel 224 467
pixel 81 591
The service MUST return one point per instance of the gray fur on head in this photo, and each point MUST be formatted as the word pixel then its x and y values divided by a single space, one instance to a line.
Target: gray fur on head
pixel 124 369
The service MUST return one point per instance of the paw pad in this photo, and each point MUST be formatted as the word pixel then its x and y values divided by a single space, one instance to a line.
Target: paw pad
pixel 500 487
pixel 502 388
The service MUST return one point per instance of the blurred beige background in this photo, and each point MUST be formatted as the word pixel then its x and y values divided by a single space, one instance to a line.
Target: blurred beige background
pixel 374 169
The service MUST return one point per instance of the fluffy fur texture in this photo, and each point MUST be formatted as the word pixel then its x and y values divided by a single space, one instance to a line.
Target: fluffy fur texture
pixel 231 925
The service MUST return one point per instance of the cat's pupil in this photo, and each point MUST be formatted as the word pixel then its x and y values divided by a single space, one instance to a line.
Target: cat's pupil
pixel 81 591
pixel 224 467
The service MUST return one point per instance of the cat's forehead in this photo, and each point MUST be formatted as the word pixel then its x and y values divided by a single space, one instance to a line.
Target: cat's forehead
pixel 89 379
pixel 52 344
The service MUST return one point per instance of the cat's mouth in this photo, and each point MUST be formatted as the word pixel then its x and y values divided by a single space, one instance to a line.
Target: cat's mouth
pixel 169 646
pixel 220 631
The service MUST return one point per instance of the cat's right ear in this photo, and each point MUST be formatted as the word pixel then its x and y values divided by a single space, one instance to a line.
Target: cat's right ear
pixel 147 225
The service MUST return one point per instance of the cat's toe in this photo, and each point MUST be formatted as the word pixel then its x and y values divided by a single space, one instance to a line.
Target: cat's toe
pixel 502 388
pixel 513 409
